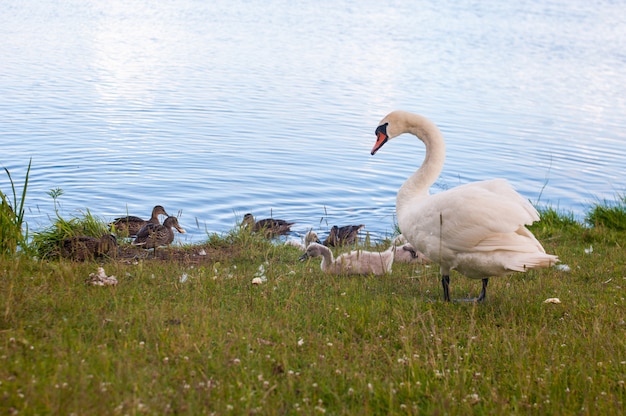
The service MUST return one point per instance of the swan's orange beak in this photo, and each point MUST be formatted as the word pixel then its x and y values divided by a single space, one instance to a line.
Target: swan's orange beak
pixel 381 137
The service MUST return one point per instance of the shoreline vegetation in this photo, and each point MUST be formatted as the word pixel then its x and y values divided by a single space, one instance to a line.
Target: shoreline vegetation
pixel 188 332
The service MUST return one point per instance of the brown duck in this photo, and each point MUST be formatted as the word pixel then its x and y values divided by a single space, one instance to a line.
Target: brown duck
pixel 341 236
pixel 157 235
pixel 270 227
pixel 83 247
pixel 130 225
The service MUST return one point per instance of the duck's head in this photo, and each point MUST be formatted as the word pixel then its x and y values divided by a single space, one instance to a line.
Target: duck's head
pixel 248 220
pixel 159 210
pixel 173 222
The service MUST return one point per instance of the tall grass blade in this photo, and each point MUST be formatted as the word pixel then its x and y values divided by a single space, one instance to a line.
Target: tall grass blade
pixel 12 218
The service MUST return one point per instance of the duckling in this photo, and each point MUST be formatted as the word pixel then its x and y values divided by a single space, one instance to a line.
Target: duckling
pixel 157 235
pixel 130 225
pixel 83 247
pixel 270 227
pixel 355 262
pixel 346 235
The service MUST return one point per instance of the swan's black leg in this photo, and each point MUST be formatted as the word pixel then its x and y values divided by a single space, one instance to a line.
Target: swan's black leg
pixel 483 292
pixel 445 282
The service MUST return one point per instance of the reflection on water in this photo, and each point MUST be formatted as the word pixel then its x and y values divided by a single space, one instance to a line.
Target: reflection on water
pixel 215 109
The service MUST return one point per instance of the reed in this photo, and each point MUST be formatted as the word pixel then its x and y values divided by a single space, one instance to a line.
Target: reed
pixel 12 234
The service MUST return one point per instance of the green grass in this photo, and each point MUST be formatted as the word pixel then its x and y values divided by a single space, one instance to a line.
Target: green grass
pixel 610 215
pixel 45 243
pixel 309 343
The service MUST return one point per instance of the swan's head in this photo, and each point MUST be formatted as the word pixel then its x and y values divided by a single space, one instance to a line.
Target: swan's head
pixel 313 250
pixel 394 124
pixel 311 237
pixel 399 122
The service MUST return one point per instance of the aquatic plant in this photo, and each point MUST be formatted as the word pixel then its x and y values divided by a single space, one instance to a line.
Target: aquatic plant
pixel 12 218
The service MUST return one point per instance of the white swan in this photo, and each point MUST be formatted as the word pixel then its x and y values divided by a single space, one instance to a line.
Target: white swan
pixel 406 253
pixel 309 237
pixel 354 262
pixel 477 229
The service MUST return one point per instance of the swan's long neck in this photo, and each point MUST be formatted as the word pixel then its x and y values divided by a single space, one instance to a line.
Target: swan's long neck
pixel 418 184
pixel 327 258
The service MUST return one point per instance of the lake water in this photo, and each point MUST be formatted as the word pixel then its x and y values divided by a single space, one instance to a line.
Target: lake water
pixel 217 108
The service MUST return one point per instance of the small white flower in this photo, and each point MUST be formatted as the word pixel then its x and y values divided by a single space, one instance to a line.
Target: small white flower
pixel 183 278
pixel 300 342
pixel 202 253
pixel 589 250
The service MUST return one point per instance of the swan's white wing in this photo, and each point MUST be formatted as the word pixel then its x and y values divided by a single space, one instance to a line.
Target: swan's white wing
pixel 481 216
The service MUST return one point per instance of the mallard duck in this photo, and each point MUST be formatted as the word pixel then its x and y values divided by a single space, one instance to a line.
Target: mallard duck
pixel 157 235
pixel 130 225
pixel 270 227
pixel 340 236
pixel 83 247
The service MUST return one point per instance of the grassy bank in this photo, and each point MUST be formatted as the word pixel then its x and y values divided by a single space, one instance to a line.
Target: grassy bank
pixel 192 335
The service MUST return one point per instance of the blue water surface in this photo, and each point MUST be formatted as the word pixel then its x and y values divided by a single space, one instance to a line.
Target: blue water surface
pixel 215 109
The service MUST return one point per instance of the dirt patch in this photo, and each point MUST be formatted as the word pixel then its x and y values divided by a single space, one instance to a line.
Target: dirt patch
pixel 197 254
